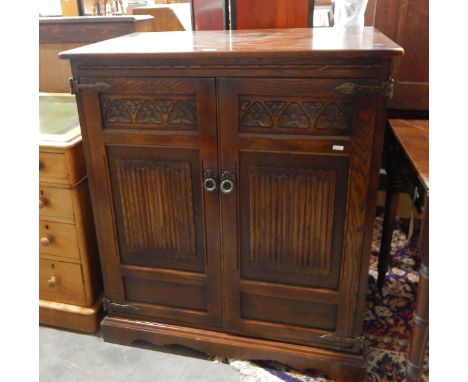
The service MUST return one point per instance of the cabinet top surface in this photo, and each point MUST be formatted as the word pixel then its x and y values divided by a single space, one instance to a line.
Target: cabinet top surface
pixel 313 42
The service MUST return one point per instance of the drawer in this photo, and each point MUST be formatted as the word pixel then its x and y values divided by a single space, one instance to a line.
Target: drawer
pixel 52 166
pixel 58 239
pixel 62 282
pixel 56 203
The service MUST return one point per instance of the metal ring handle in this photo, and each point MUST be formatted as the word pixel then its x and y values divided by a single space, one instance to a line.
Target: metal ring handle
pixel 210 185
pixel 227 186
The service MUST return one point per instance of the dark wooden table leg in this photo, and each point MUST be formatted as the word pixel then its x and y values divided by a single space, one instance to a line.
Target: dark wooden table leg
pixel 420 334
pixel 391 205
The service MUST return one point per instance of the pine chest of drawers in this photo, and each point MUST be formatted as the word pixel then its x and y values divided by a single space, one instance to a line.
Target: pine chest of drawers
pixel 233 176
pixel 69 272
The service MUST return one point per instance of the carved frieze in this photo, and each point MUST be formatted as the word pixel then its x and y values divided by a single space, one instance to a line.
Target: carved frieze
pixel 333 117
pixel 149 112
pixel 307 115
pixel 116 112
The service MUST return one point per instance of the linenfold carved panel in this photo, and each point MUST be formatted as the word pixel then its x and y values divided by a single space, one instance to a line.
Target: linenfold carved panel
pixel 157 207
pixel 291 218
pixel 303 115
pixel 149 112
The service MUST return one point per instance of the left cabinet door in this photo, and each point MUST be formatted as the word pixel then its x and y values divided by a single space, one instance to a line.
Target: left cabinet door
pixel 148 144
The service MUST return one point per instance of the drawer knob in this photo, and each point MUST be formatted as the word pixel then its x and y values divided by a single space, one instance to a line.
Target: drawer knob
pixel 41 165
pixel 53 281
pixel 42 202
pixel 46 240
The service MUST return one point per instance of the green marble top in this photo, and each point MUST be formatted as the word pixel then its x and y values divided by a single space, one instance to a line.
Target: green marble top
pixel 58 117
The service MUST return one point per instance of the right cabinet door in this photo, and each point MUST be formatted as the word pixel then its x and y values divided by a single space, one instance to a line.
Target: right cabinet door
pixel 293 223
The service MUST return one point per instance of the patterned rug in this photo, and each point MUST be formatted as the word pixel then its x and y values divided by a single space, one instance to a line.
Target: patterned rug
pixel 387 324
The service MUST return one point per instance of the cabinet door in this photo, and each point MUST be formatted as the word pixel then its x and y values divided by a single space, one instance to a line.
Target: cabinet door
pixel 148 143
pixel 294 225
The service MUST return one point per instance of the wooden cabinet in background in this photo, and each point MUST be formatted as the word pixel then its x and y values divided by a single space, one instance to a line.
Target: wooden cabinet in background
pixel 70 7
pixel 164 17
pixel 234 186
pixel 251 14
pixel 60 33
pixel 407 23
pixel 209 15
pixel 69 272
pixel 256 14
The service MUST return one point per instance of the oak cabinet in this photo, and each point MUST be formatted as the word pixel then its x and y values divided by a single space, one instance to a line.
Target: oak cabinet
pixel 234 192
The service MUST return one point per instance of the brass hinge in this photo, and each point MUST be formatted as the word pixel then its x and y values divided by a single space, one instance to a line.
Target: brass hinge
pixel 100 86
pixel 385 88
pixel 110 306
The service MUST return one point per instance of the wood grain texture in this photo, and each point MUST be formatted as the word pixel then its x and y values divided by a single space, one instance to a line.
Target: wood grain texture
pixel 164 223
pixel 242 45
pixel 62 282
pixel 62 237
pixel 57 203
pixel 164 18
pixel 158 206
pixel 89 29
pixel 166 294
pixel 407 23
pixel 260 14
pixel 357 206
pixel 374 176
pixel 73 317
pixel 288 311
pixel 209 14
pixel 63 165
pixel 52 165
pixel 281 196
pixel 89 255
pixel 413 136
pixel 57 34
pixel 53 72
pixel 70 7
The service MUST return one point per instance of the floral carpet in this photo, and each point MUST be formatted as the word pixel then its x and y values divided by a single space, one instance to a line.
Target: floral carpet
pixel 387 323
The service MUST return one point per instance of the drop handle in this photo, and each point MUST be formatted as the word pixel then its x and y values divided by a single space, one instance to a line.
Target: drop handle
pixel 210 183
pixel 227 182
